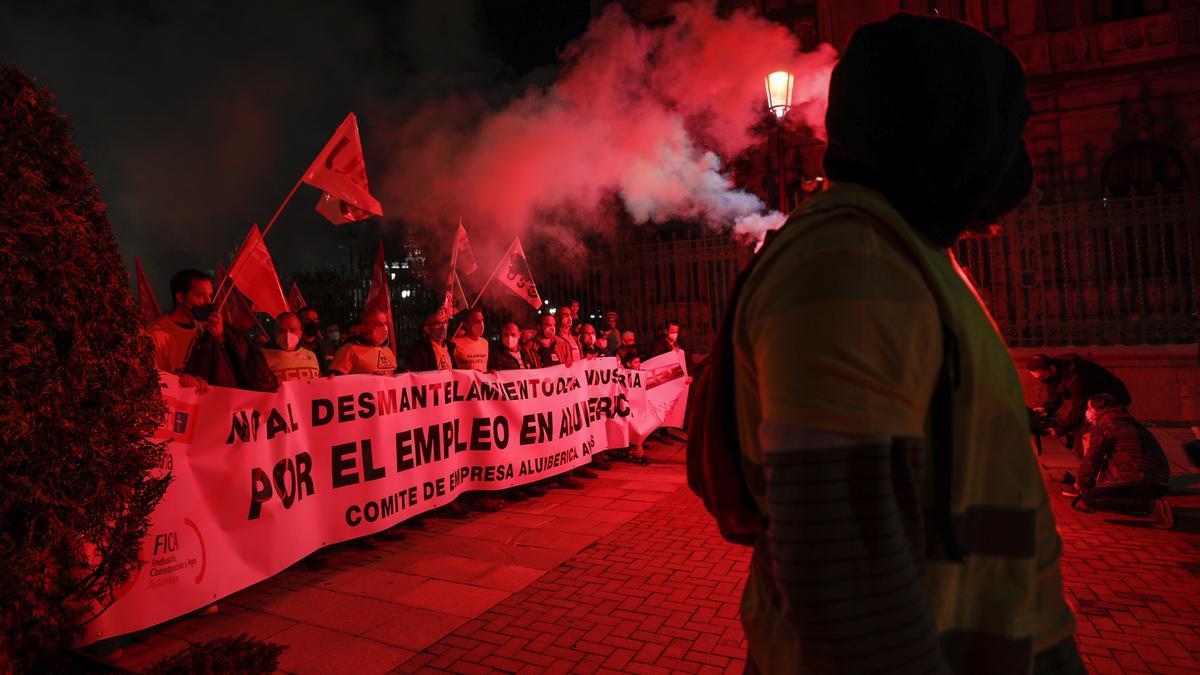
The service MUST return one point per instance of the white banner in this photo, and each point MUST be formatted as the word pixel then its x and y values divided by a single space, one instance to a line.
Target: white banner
pixel 261 480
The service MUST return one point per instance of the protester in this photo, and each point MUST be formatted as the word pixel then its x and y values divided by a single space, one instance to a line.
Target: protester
pixel 637 450
pixel 547 348
pixel 566 331
pixel 286 357
pixel 628 345
pixel 431 351
pixel 588 346
pixel 509 357
pixel 1124 468
pixel 610 333
pixel 577 327
pixel 1070 381
pixel 470 347
pixel 667 340
pixel 840 330
pixel 192 341
pixel 311 337
pixel 367 353
pixel 173 333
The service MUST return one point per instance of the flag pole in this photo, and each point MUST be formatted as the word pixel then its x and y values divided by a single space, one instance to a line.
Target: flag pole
pixel 286 199
pixel 489 281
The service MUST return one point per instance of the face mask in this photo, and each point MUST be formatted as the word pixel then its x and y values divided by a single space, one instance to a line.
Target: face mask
pixel 335 336
pixel 589 340
pixel 311 329
pixel 1090 416
pixel 379 335
pixel 288 341
pixel 674 337
pixel 510 342
pixel 201 313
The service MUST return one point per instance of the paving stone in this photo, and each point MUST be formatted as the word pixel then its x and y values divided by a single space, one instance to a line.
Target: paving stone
pixel 312 649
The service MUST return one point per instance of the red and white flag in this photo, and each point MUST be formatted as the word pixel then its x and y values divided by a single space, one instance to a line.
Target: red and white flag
pixel 514 273
pixel 340 171
pixel 378 297
pixel 253 273
pixel 294 299
pixel 462 258
pixel 148 307
pixel 455 299
pixel 236 311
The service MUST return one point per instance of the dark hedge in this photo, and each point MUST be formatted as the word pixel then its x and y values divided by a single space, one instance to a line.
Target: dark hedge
pixel 242 655
pixel 79 396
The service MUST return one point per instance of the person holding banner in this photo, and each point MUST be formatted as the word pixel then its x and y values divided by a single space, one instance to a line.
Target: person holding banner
pixel 547 348
pixel 509 356
pixel 287 358
pixel 471 348
pixel 431 351
pixel 566 331
pixel 589 346
pixel 174 333
pixel 366 353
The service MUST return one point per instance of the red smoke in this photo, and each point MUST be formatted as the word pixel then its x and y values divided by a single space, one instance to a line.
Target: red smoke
pixel 644 112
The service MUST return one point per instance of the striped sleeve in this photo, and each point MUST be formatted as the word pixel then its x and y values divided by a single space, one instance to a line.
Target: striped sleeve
pixel 842 554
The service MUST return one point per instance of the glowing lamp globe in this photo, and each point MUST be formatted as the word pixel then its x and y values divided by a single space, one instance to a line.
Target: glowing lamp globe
pixel 779 92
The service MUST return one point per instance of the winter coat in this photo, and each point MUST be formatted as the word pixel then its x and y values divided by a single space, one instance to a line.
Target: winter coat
pixel 420 356
pixel 237 363
pixel 1076 380
pixel 534 360
pixel 501 359
pixel 1122 452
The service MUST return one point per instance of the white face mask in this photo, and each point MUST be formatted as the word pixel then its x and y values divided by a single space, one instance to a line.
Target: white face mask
pixel 379 336
pixel 335 337
pixel 510 342
pixel 1090 416
pixel 287 341
pixel 673 336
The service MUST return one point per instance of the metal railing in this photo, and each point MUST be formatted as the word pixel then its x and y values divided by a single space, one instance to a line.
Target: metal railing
pixel 1118 271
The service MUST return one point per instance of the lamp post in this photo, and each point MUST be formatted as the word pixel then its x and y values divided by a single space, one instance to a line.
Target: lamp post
pixel 779 101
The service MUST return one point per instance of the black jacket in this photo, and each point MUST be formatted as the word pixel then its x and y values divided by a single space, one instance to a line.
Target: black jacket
pixel 1075 381
pixel 238 363
pixel 420 356
pixel 1122 452
pixel 500 359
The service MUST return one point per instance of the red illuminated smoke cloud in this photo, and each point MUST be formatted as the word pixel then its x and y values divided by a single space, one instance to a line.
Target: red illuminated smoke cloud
pixel 644 112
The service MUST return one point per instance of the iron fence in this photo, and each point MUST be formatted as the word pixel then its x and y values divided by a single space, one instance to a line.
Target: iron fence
pixel 1119 271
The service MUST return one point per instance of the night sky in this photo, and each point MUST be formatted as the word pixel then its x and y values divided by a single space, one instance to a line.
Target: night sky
pixel 197 118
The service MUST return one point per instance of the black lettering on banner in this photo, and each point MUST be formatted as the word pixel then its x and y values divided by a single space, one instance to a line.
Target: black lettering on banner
pixel 244 427
pixel 404 450
pixel 322 412
pixel 345 408
pixel 343 460
pixel 291 479
pixel 366 404
pixel 370 471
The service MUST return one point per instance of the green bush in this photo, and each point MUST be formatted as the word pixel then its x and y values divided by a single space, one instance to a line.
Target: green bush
pixel 242 655
pixel 79 396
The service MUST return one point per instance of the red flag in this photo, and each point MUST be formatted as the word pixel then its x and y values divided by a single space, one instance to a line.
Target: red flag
pixel 236 311
pixel 455 299
pixel 378 298
pixel 253 273
pixel 463 258
pixel 340 171
pixel 294 299
pixel 513 272
pixel 147 304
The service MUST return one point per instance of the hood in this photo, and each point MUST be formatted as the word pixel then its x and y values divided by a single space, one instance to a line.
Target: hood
pixel 930 112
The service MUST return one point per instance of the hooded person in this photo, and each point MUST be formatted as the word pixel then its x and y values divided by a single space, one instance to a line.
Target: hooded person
pixel 1124 468
pixel 874 446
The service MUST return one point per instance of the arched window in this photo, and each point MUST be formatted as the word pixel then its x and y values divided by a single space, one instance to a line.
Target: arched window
pixel 1141 166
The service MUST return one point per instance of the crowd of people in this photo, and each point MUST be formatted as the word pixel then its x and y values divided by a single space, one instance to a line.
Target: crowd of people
pixel 193 341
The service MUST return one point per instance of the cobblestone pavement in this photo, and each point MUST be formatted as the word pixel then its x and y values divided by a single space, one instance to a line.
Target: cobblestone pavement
pixel 630 575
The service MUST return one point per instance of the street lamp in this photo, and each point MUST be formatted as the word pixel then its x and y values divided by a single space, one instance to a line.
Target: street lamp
pixel 779 101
